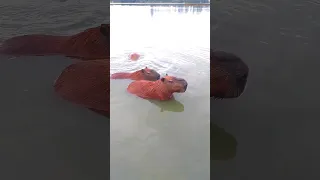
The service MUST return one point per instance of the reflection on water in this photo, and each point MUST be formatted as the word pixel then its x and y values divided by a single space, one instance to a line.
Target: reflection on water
pixel 152 139
pixel 178 9
pixel 171 105
pixel 223 144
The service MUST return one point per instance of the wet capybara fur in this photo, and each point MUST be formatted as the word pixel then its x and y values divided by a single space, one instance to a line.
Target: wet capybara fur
pixel 86 83
pixel 161 89
pixel 91 44
pixel 228 75
pixel 142 74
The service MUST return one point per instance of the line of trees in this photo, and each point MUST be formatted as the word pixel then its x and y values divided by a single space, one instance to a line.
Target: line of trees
pixel 161 1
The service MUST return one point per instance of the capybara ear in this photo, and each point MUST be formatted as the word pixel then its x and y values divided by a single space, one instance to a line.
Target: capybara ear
pixel 104 29
pixel 162 79
pixel 166 74
pixel 142 70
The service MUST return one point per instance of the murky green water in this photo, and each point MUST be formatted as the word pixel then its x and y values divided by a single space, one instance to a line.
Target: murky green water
pixel 42 136
pixel 151 139
pixel 276 121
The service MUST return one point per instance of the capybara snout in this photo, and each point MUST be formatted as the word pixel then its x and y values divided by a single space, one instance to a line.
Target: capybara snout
pixel 228 75
pixel 184 83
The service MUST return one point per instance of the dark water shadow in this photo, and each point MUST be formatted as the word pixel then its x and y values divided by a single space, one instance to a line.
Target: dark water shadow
pixel 171 105
pixel 100 112
pixel 223 146
pixel 43 136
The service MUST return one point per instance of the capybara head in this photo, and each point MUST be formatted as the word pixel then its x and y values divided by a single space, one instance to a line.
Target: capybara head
pixel 150 74
pixel 93 43
pixel 174 84
pixel 228 75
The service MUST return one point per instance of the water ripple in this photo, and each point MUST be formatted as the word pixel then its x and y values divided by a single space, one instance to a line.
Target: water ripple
pixel 50 17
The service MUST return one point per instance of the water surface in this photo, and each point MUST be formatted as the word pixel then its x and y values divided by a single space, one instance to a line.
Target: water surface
pixel 160 140
pixel 276 121
pixel 42 136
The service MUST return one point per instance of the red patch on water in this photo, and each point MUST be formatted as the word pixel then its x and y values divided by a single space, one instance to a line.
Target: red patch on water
pixel 134 56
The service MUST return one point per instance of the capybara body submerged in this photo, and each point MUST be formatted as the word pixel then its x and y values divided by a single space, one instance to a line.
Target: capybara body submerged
pixel 91 44
pixel 142 74
pixel 161 89
pixel 86 83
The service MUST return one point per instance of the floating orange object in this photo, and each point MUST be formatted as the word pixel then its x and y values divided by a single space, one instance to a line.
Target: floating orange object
pixel 134 56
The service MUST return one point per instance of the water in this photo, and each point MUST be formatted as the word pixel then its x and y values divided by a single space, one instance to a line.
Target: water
pixel 41 135
pixel 160 140
pixel 275 122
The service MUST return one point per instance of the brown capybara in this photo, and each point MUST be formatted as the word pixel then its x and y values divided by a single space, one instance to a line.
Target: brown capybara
pixel 86 83
pixel 91 44
pixel 142 74
pixel 161 89
pixel 228 75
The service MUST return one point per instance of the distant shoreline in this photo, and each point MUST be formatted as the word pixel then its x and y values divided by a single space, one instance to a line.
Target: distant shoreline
pixel 185 4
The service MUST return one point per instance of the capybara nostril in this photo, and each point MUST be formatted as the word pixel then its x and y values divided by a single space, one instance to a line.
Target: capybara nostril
pixel 184 84
pixel 158 77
